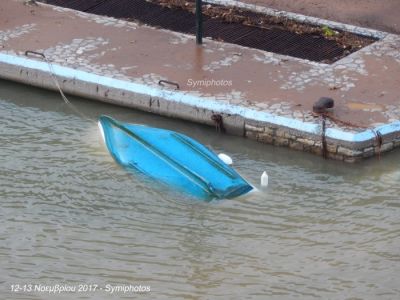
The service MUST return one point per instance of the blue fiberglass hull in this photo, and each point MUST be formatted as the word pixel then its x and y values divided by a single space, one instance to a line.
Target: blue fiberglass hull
pixel 173 159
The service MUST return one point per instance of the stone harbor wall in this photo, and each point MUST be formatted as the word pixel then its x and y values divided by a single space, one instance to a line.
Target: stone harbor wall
pixel 371 142
pixel 334 149
pixel 270 99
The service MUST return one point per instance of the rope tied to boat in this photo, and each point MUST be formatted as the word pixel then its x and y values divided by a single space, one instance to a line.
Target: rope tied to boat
pixel 52 73
pixel 57 84
pixel 63 96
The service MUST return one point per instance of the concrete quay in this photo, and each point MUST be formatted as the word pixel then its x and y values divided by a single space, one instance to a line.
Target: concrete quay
pixel 256 94
pixel 377 14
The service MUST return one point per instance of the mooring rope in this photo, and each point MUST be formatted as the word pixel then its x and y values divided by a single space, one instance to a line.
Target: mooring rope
pixel 323 137
pixel 324 116
pixel 63 96
pixel 53 76
pixel 219 123
pixel 58 86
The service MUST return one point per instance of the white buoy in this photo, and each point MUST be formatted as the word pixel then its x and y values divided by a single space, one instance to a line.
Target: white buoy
pixel 225 158
pixel 264 179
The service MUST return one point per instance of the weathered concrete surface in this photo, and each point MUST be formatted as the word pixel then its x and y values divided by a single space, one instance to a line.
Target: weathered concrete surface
pixel 378 14
pixel 259 94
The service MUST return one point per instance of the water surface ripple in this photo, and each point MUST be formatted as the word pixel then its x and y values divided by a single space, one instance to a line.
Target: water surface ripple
pixel 69 214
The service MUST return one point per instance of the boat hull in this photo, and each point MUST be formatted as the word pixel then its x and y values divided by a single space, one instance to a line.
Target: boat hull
pixel 173 159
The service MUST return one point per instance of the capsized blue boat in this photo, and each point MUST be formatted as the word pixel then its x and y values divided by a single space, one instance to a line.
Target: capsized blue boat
pixel 173 159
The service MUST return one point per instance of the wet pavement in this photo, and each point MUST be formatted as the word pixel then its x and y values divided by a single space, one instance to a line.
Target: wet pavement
pixel 364 85
pixel 378 14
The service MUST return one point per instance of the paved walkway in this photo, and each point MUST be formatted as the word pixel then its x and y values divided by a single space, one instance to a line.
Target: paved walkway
pixel 365 85
pixel 378 14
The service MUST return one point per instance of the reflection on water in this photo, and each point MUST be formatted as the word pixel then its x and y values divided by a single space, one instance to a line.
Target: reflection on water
pixel 70 215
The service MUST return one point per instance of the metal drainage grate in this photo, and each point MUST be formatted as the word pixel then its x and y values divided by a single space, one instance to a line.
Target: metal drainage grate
pixel 304 46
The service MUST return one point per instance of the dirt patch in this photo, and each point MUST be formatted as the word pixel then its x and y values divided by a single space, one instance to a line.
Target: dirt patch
pixel 348 41
pixel 378 14
pixel 232 25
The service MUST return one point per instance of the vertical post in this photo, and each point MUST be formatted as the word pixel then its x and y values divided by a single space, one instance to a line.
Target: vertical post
pixel 199 23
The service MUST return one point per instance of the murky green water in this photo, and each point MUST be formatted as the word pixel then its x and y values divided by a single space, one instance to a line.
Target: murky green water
pixel 69 215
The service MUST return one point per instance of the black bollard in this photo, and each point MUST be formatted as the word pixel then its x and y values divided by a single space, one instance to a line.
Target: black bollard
pixel 323 104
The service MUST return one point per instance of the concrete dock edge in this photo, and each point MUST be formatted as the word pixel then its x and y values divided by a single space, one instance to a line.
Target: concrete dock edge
pixel 261 126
